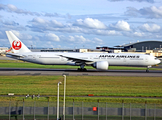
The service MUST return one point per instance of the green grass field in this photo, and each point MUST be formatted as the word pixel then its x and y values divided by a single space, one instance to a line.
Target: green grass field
pixel 84 85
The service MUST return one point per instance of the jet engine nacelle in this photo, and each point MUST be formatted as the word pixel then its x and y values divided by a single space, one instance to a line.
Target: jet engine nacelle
pixel 101 65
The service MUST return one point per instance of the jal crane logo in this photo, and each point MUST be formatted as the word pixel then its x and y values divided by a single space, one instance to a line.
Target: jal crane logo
pixel 16 44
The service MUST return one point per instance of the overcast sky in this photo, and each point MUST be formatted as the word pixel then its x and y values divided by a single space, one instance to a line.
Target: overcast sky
pixel 80 23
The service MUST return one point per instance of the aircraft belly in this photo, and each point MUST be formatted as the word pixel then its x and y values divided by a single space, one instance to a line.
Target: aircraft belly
pixel 51 61
pixel 118 62
pixel 46 61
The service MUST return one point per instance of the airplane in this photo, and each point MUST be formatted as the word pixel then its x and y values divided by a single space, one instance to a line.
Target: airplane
pixel 100 61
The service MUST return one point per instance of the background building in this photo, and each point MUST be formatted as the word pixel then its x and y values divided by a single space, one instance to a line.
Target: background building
pixel 135 47
pixel 141 46
pixel 145 47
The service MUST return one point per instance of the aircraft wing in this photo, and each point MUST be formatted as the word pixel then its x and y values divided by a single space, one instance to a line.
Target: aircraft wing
pixel 78 60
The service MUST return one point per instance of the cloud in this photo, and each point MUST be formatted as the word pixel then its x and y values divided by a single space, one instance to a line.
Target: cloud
pixel 149 12
pixel 41 25
pixel 120 28
pixel 138 34
pixel 150 1
pixel 53 37
pixel 90 23
pixel 143 35
pixel 2 7
pixel 39 21
pixel 121 25
pixel 77 39
pixel 150 28
pixel 14 9
pixel 48 39
pixel 51 15
pixel 152 12
pixel 107 32
pixel 131 11
pixel 80 40
pixel 43 22
pixel 71 38
pixel 97 41
pixel 10 25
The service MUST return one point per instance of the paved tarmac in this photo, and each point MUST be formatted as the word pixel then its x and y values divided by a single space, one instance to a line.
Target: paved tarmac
pixel 73 72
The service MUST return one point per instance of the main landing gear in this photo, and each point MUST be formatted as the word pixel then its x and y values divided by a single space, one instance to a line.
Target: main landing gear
pixel 82 68
pixel 147 70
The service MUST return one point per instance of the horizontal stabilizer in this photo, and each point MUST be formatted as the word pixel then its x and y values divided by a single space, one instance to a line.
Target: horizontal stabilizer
pixel 14 55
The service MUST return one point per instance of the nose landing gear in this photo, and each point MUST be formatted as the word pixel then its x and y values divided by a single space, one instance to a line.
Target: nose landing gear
pixel 147 70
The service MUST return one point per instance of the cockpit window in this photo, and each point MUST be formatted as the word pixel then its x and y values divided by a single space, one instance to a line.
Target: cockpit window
pixel 156 58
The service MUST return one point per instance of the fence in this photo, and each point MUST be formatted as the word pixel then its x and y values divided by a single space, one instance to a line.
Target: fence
pixel 79 111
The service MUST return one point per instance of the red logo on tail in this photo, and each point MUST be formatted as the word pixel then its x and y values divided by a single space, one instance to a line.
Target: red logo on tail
pixel 16 44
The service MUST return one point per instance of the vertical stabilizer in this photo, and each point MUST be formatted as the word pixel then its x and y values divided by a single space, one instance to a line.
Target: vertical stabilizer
pixel 16 44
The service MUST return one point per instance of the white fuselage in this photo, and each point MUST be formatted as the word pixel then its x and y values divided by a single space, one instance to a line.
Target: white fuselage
pixel 114 59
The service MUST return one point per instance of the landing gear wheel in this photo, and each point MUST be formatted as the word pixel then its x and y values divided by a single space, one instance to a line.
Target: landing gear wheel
pixel 147 70
pixel 84 69
pixel 80 69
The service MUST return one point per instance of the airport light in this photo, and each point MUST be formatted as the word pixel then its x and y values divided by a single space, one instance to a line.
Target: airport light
pixel 58 100
pixel 64 96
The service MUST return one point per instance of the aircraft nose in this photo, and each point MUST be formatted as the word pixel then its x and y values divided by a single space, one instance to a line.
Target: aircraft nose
pixel 158 61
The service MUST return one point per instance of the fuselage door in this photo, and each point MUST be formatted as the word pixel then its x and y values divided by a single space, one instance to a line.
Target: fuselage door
pixel 146 59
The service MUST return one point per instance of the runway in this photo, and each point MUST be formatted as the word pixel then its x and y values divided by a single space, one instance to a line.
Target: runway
pixel 74 72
